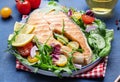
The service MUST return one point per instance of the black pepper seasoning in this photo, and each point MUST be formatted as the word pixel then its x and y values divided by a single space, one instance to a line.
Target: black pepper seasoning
pixel 118 28
pixel 117 23
pixel 119 20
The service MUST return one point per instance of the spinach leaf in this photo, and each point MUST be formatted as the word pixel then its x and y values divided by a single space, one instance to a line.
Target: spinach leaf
pixel 96 41
pixel 109 36
pixel 101 27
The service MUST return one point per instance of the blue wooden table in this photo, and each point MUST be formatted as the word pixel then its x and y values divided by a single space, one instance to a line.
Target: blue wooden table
pixel 8 72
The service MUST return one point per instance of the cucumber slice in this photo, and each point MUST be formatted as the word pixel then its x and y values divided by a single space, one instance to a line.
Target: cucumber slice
pixel 61 38
pixel 73 45
pixel 97 41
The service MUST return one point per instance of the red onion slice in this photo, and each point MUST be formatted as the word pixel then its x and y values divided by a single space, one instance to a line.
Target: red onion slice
pixel 70 13
pixel 78 66
pixel 90 13
pixel 33 51
pixel 90 27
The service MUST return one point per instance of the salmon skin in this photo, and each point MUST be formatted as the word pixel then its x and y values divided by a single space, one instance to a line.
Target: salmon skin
pixel 47 23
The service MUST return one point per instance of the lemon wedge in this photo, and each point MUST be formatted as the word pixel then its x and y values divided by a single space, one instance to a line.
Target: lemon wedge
pixel 10 36
pixel 21 39
pixel 62 61
pixel 24 28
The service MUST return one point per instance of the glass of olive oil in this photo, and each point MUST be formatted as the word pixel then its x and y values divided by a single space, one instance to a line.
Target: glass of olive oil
pixel 101 7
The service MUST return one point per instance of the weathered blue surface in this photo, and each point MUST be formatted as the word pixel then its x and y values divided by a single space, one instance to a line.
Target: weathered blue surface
pixel 8 72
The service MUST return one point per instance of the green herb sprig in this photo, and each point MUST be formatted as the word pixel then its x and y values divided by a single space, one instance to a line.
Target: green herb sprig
pixel 63 27
pixel 15 34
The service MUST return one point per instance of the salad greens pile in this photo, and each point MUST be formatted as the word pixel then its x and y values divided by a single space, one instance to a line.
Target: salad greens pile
pixel 98 37
pixel 45 60
pixel 97 34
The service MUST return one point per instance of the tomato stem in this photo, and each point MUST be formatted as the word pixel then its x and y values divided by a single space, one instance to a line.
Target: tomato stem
pixel 16 0
pixel 22 0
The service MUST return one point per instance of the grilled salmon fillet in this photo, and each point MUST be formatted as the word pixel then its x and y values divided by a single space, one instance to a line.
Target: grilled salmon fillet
pixel 47 23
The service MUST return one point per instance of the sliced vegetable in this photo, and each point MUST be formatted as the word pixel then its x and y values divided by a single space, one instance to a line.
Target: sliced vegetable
pixel 70 12
pixel 24 30
pixel 22 39
pixel 106 50
pixel 62 61
pixel 96 41
pixel 78 66
pixel 87 19
pixel 33 51
pixel 73 45
pixel 32 59
pixel 77 15
pixel 90 13
pixel 56 52
pixel 61 38
pixel 90 27
pixel 25 50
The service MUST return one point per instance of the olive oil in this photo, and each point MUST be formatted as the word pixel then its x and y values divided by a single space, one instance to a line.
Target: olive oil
pixel 101 6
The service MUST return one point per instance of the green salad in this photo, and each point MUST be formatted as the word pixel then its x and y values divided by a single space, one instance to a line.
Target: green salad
pixel 22 43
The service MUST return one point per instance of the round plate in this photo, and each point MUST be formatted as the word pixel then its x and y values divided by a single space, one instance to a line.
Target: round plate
pixel 64 74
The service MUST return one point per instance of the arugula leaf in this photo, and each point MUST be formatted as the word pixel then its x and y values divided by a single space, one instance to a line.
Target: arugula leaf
pixel 57 72
pixel 79 23
pixel 46 60
pixel 63 27
pixel 44 51
pixel 65 9
pixel 52 2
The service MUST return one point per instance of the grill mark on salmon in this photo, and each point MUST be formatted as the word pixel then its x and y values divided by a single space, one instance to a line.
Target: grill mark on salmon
pixel 47 23
pixel 43 33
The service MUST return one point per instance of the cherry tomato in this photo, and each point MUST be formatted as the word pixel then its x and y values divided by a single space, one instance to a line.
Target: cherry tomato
pixel 25 50
pixel 23 6
pixel 87 19
pixel 35 3
pixel 5 12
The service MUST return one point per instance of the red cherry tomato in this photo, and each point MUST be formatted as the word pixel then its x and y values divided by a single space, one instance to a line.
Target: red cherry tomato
pixel 35 3
pixel 25 50
pixel 23 6
pixel 87 19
